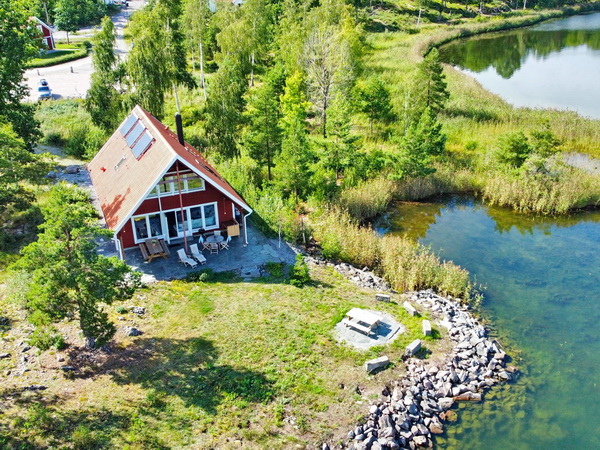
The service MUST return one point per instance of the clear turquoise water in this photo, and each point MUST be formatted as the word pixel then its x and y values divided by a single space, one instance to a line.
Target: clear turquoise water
pixel 551 65
pixel 542 297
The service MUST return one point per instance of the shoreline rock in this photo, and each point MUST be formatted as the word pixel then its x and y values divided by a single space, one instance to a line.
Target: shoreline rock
pixel 420 401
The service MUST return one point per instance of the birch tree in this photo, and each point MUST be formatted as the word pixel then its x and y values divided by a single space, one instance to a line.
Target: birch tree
pixel 329 70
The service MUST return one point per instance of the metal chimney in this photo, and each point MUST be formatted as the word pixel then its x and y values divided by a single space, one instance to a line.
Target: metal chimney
pixel 179 125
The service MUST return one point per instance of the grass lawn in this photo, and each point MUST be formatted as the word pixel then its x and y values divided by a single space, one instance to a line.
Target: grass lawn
pixel 220 363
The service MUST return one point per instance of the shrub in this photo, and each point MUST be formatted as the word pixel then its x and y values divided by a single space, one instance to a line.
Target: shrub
pixel 46 337
pixel 300 274
pixel 67 123
pixel 275 269
pixel 201 276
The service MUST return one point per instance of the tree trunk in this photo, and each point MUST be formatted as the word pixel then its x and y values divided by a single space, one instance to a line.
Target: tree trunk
pixel 419 18
pixel 252 70
pixel 202 82
pixel 68 38
pixel 193 61
pixel 46 11
pixel 524 4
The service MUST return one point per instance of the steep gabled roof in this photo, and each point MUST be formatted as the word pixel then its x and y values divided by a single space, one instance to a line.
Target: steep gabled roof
pixel 134 160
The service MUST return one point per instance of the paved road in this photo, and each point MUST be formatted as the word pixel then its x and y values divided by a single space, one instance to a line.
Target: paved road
pixel 72 79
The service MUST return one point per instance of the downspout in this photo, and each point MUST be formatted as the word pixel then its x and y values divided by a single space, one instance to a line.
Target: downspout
pixel 119 247
pixel 246 229
pixel 181 208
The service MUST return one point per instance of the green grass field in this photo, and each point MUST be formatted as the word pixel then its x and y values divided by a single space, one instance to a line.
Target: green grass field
pixel 218 363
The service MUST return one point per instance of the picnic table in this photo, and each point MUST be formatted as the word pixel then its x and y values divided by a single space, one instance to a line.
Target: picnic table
pixel 361 320
pixel 153 248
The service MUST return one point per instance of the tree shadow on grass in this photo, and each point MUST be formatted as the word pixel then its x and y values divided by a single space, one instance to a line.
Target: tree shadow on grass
pixel 188 369
pixel 45 423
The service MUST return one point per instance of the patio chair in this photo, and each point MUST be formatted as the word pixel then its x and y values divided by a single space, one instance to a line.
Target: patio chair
pixel 218 233
pixel 196 254
pixel 225 244
pixel 205 245
pixel 213 247
pixel 185 259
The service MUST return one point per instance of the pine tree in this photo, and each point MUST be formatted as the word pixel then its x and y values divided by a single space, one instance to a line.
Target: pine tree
pixel 430 87
pixel 264 134
pixel 421 144
pixel 293 162
pixel 66 276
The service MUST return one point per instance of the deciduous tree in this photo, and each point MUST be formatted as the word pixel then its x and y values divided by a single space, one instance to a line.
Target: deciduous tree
pixel 293 171
pixel 67 277
pixel 329 70
pixel 224 108
pixel 66 16
pixel 157 60
pixel 102 100
pixel 19 43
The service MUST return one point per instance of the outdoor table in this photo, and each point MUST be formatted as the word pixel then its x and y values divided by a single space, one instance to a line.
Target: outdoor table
pixel 361 320
pixel 214 239
pixel 155 249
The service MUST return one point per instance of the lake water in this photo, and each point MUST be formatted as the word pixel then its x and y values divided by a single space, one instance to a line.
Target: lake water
pixel 542 297
pixel 551 65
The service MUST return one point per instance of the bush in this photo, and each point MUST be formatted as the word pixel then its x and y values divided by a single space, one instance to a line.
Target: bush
pixel 47 337
pixel 275 269
pixel 67 123
pixel 200 276
pixel 300 274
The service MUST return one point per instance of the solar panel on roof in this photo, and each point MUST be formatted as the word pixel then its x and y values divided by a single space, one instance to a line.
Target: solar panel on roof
pixel 142 144
pixel 128 124
pixel 134 134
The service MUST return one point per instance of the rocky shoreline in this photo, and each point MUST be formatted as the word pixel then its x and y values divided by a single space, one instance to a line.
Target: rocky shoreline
pixel 415 408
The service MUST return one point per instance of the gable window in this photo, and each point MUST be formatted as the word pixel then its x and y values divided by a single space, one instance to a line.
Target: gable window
pixel 168 185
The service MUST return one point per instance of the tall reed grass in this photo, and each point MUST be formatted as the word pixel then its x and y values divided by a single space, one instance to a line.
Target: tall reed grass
pixel 573 189
pixel 405 264
pixel 369 199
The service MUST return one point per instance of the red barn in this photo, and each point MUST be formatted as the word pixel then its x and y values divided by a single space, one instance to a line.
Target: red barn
pixel 46 34
pixel 153 184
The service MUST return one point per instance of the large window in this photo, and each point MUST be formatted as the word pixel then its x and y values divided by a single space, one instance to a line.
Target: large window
pixel 147 226
pixel 168 185
pixel 204 216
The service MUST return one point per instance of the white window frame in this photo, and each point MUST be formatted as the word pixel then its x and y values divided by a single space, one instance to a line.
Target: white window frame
pixel 172 183
pixel 164 224
pixel 148 227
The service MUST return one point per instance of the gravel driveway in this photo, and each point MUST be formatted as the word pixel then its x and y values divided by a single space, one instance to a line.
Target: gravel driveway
pixel 72 79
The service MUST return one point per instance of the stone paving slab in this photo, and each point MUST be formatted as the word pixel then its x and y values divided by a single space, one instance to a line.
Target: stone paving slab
pixel 388 330
pixel 247 261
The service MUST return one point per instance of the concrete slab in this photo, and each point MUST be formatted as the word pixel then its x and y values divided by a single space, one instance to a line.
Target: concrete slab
pixel 388 330
pixel 246 261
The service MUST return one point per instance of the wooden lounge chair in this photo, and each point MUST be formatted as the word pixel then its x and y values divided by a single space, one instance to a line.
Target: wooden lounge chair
pixel 196 254
pixel 185 259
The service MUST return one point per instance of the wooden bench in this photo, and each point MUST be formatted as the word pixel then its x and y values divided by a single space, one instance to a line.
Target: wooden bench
pixel 144 251
pixel 165 247
pixel 357 326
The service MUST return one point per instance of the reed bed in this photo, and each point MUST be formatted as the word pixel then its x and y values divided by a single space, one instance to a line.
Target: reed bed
pixel 405 264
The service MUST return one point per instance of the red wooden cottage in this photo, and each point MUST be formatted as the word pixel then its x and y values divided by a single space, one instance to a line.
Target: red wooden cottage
pixel 153 184
pixel 45 33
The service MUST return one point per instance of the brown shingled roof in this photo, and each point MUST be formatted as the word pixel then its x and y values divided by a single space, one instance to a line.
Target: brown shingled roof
pixel 122 182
